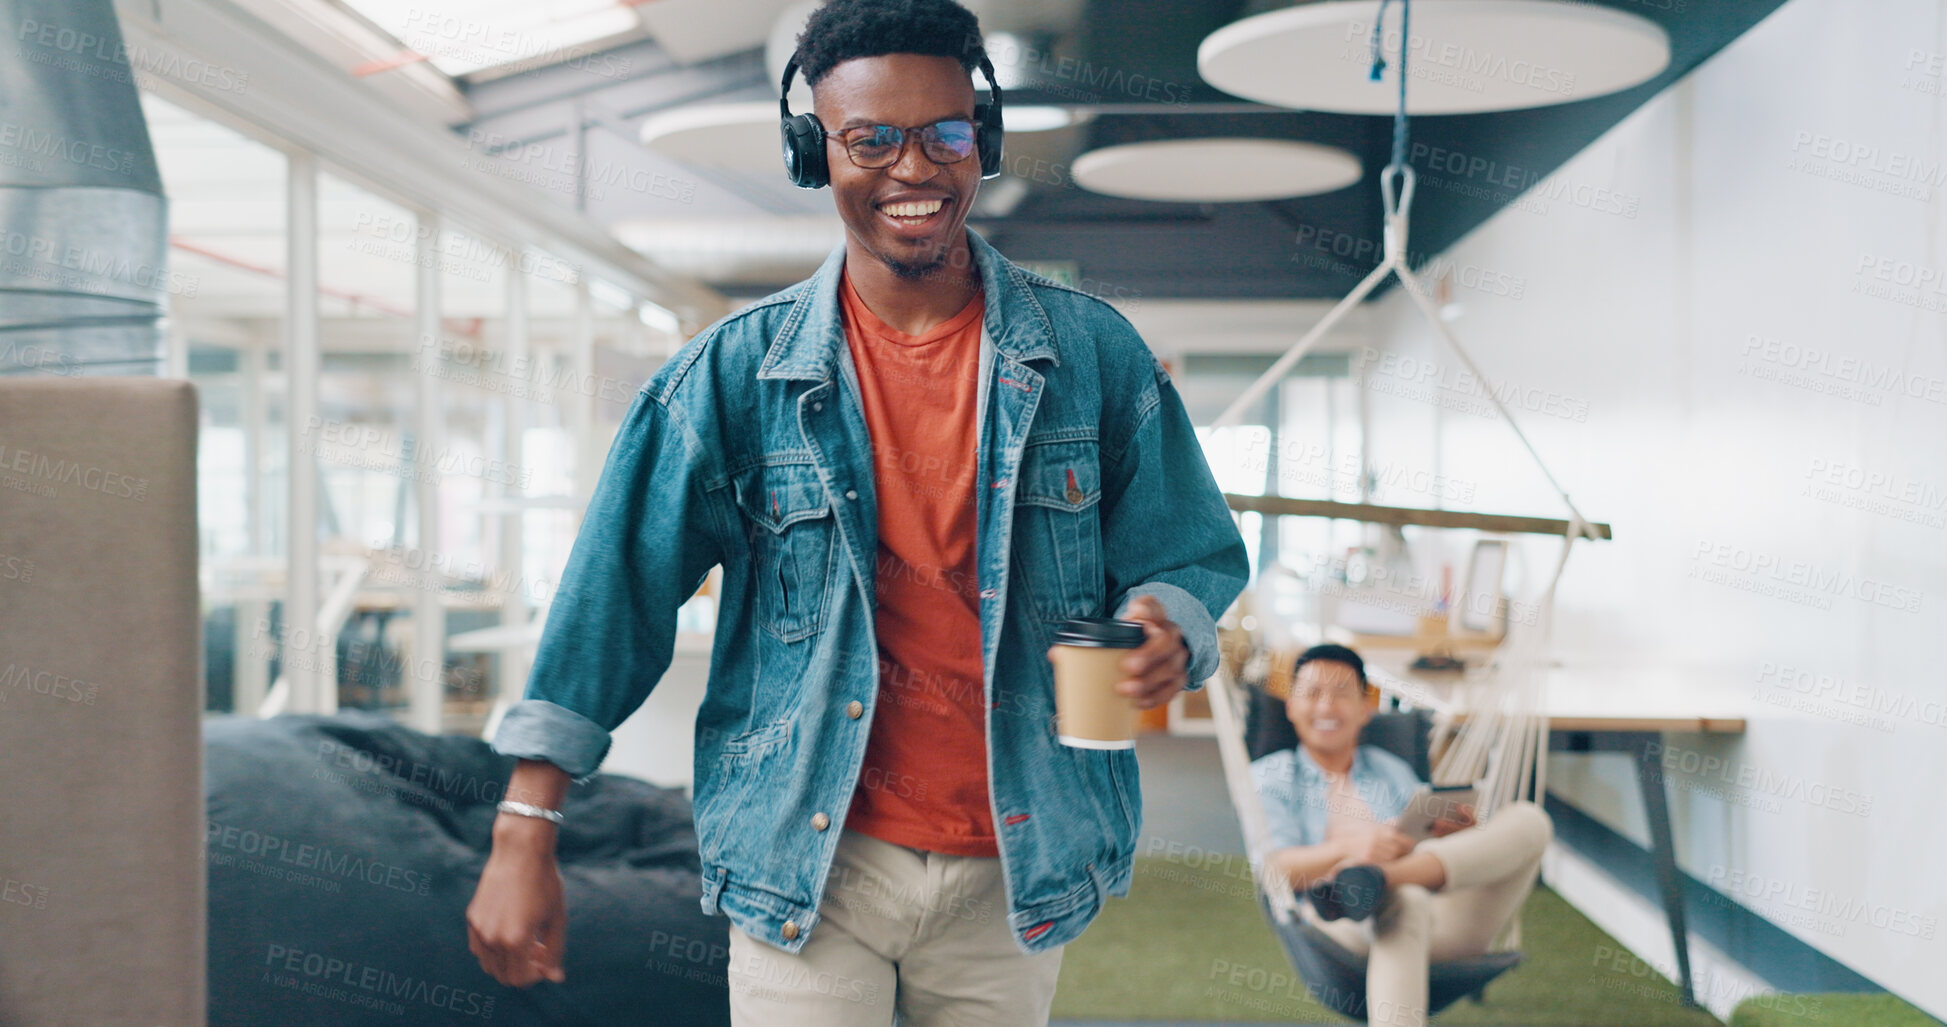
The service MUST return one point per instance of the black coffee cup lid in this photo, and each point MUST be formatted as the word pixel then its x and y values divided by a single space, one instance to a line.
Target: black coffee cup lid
pixel 1101 633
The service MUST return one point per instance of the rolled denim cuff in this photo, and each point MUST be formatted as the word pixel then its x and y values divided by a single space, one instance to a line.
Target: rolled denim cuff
pixel 535 729
pixel 1199 628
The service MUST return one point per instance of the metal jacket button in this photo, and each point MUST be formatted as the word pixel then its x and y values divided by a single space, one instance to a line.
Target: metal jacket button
pixel 855 709
pixel 789 930
pixel 819 821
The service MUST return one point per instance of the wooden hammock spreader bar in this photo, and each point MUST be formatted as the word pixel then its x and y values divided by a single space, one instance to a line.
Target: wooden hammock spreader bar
pixel 1277 505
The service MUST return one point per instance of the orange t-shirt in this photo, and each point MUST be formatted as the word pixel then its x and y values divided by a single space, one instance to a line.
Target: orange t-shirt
pixel 924 781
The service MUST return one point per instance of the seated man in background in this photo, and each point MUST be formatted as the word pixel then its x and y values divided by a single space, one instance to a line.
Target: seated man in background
pixel 1331 804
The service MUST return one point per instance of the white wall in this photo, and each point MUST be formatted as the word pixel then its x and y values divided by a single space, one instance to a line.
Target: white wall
pixel 1673 311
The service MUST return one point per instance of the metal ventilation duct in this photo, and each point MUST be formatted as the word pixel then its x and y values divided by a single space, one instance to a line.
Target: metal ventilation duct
pixel 83 224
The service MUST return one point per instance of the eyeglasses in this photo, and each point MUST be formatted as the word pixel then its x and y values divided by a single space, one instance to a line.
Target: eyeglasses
pixel 879 146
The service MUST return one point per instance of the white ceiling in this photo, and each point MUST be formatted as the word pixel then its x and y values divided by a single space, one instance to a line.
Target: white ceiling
pixel 698 30
pixel 460 37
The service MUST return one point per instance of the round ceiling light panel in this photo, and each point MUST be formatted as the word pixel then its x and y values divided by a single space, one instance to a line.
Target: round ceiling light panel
pixel 1216 170
pixel 1465 57
pixel 735 136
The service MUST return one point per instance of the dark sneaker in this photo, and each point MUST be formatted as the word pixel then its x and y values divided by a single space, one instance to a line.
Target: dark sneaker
pixel 1352 894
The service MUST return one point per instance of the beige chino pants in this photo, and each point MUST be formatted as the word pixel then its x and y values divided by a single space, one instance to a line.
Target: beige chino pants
pixel 1490 871
pixel 919 935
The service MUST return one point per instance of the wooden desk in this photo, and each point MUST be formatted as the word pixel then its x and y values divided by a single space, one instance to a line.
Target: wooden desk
pixel 1596 712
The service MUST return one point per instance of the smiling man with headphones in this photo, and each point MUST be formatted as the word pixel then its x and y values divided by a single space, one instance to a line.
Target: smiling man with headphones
pixel 911 468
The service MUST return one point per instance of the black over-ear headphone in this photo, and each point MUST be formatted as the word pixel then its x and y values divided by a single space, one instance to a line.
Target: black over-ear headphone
pixel 804 134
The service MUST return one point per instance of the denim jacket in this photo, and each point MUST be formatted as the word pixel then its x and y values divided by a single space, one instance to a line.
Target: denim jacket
pixel 749 449
pixel 1296 793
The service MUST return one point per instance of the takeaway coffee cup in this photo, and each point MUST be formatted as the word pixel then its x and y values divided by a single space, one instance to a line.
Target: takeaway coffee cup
pixel 1088 654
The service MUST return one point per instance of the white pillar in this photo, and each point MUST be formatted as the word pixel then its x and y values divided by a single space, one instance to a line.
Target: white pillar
pixel 250 677
pixel 513 610
pixel 303 650
pixel 586 395
pixel 424 680
pixel 175 358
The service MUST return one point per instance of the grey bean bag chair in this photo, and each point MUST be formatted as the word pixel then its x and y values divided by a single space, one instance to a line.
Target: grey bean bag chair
pixel 343 851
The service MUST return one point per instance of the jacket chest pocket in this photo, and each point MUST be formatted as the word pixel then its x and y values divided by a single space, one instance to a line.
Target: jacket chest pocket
pixel 1058 529
pixel 788 521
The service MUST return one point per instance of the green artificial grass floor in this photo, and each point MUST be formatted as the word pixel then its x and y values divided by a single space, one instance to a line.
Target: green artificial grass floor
pixel 1190 944
pixel 1829 1011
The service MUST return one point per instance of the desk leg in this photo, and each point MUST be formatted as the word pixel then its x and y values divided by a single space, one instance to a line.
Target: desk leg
pixel 1656 808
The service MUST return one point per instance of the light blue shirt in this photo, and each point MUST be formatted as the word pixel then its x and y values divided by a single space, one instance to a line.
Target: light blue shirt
pixel 1295 791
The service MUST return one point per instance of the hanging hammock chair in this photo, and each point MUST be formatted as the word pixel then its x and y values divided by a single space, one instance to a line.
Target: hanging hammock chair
pixel 1493 734
pixel 1336 976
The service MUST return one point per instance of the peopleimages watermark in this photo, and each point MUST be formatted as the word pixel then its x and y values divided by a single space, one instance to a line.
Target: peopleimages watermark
pixel 1837 159
pixel 1409 592
pixel 1485 178
pixel 765 976
pixel 430 570
pixel 1081 80
pixel 441 33
pixel 1875 491
pixel 871 894
pixel 1821 370
pixel 368 447
pixel 1796 581
pixel 302 863
pixel 526 377
pixel 1302 462
pixel 1458 388
pixel 47 470
pixel 1844 700
pixel 29 680
pixel 16 568
pixel 1455 64
pixel 39 357
pixel 456 252
pixel 21 893
pixel 55 263
pixel 382 774
pixel 1629 973
pixel 1906 282
pixel 1348 253
pixel 1204 869
pixel 316 651
pixel 1923 72
pixel 361 984
pixel 1754 785
pixel 89 53
pixel 31 142
pixel 1827 908
pixel 1280 993
pixel 567 170
pixel 697 959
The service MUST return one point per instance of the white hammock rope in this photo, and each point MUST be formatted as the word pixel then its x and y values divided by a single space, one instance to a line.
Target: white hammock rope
pixel 1495 733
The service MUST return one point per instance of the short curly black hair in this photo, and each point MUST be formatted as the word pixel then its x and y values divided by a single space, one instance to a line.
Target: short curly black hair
pixel 844 29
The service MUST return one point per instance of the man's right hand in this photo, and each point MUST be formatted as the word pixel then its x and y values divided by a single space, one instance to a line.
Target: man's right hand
pixel 1383 843
pixel 517 923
